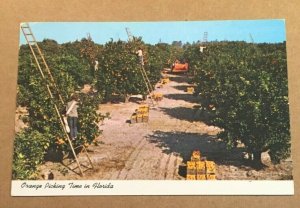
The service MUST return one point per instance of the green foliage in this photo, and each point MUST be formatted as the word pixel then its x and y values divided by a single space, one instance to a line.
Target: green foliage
pixel 244 86
pixel 120 70
pixel 69 73
pixel 29 149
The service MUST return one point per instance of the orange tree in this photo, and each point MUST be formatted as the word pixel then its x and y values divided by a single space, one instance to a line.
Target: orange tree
pixel 87 50
pixel 244 86
pixel 120 71
pixel 44 129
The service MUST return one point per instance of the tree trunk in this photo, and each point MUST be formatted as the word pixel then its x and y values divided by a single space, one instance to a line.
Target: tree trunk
pixel 257 162
pixel 126 98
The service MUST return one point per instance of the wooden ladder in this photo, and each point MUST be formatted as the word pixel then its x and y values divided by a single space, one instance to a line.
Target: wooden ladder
pixel 148 84
pixel 53 91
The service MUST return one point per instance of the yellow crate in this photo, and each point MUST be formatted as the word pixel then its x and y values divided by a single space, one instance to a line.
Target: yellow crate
pixel 191 172
pixel 133 119
pixel 143 109
pixel 195 159
pixel 140 112
pixel 200 165
pixel 190 165
pixel 190 90
pixel 210 166
pixel 139 118
pixel 201 177
pixel 144 106
pixel 145 114
pixel 165 80
pixel 211 177
pixel 146 118
pixel 196 154
pixel 157 96
pixel 190 177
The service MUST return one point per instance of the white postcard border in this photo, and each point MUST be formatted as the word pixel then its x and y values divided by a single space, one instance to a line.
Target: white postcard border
pixel 149 187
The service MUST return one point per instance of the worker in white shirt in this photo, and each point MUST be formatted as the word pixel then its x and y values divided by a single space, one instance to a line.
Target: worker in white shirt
pixel 202 49
pixel 96 67
pixel 140 55
pixel 72 115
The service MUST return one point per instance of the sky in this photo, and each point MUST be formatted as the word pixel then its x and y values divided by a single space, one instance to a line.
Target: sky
pixel 269 31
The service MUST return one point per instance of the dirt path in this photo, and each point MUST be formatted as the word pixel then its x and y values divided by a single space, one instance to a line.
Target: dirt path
pixel 159 149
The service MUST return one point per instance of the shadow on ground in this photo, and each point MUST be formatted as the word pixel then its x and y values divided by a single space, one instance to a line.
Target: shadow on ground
pixel 181 87
pixel 184 144
pixel 186 97
pixel 180 78
pixel 188 114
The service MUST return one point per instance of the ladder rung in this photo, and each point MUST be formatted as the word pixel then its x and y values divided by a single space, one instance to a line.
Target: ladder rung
pixel 74 168
pixel 74 161
pixel 78 147
pixel 29 34
pixel 87 168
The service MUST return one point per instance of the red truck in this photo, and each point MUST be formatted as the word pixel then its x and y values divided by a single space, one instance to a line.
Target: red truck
pixel 179 67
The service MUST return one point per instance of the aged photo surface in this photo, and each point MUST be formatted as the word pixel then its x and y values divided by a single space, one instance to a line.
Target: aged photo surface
pixel 192 100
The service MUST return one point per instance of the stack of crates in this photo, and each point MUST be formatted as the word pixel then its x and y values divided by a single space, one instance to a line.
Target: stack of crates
pixel 165 80
pixel 190 90
pixel 198 169
pixel 157 96
pixel 141 114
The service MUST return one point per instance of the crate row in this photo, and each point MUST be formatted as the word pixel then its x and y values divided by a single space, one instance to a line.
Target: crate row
pixel 201 177
pixel 157 96
pixel 203 166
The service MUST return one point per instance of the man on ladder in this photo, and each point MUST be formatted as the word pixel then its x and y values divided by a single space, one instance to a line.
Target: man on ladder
pixel 140 55
pixel 72 116
pixel 144 74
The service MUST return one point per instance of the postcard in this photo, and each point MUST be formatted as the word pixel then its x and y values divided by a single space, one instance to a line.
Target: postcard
pixel 152 108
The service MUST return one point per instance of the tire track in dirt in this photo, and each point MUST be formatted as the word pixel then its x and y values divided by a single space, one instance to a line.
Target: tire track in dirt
pixel 130 159
pixel 166 166
pixel 175 172
pixel 133 160
pixel 158 165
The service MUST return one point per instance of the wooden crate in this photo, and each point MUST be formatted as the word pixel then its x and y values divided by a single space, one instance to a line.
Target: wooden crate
pixel 190 90
pixel 139 118
pixel 201 177
pixel 143 109
pixel 157 96
pixel 200 165
pixel 191 172
pixel 191 165
pixel 190 177
pixel 210 167
pixel 196 155
pixel 211 177
pixel 133 119
pixel 165 80
pixel 146 117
